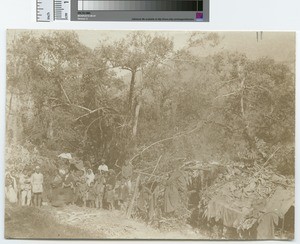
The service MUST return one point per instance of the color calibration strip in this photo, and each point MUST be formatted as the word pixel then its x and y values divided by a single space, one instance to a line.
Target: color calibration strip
pixel 140 10
pixel 136 5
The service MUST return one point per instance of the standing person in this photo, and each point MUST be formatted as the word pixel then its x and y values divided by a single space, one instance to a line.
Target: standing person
pixel 123 195
pixel 11 188
pixel 25 188
pixel 68 187
pixel 57 180
pixel 110 197
pixel 97 176
pixel 90 195
pixel 111 178
pixel 127 171
pixel 90 177
pixel 37 180
pixel 102 167
pixel 175 185
pixel 143 200
pixel 56 189
pixel 99 191
pixel 81 192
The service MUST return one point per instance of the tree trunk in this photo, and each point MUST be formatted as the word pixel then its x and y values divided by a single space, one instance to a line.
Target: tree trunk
pixel 246 132
pixel 131 89
pixel 136 118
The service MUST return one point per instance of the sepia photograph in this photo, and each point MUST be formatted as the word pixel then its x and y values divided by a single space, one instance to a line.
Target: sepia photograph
pixel 150 135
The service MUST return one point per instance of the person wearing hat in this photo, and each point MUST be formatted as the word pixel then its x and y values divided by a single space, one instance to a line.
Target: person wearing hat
pixel 37 180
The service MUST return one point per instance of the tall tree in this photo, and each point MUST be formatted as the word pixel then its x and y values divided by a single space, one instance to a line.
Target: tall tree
pixel 135 51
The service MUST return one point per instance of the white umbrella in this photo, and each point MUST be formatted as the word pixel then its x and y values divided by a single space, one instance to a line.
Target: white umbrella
pixel 65 155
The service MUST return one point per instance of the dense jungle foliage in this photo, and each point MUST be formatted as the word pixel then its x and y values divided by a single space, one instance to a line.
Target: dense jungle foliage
pixel 139 98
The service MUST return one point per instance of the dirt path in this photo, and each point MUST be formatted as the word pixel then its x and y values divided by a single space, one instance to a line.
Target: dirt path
pixel 86 223
pixel 113 224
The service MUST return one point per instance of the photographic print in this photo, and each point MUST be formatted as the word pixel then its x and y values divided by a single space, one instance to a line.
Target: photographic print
pixel 150 135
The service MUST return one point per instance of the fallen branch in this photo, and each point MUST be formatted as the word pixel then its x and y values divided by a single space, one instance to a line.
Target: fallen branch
pixel 271 156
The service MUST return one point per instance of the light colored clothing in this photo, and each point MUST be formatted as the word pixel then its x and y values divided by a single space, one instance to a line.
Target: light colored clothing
pixel 11 188
pixel 90 177
pixel 99 186
pixel 127 171
pixel 11 194
pixel 37 180
pixel 99 191
pixel 25 183
pixel 98 201
pixel 25 186
pixel 127 183
pixel 103 167
pixel 62 171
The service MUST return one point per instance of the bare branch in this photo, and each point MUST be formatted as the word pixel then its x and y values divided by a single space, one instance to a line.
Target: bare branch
pixel 79 106
pixel 155 166
pixel 226 95
pixel 61 86
pixel 171 138
pixel 91 112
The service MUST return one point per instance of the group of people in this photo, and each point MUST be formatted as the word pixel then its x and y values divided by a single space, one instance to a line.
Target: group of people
pixel 70 184
pixel 93 186
pixel 26 189
pixel 96 188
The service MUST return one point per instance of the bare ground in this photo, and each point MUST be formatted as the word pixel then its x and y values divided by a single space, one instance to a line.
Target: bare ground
pixel 83 223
